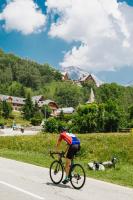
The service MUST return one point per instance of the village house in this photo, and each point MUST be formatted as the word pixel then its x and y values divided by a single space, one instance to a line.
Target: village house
pixel 67 110
pixel 41 101
pixel 90 78
pixel 65 76
pixel 18 102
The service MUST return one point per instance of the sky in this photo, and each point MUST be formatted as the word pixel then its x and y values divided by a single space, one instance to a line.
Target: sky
pixel 96 36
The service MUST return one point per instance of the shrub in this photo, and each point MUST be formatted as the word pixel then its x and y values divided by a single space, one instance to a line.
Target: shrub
pixel 2 122
pixel 51 125
pixel 37 119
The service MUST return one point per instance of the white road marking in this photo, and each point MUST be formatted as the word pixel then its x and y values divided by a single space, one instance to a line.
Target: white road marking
pixel 21 190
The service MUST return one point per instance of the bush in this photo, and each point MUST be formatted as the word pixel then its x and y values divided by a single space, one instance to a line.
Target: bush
pixel 36 121
pixel 62 124
pixel 51 125
pixel 2 122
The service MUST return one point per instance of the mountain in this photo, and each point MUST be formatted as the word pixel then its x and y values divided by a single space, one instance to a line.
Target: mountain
pixel 129 84
pixel 75 73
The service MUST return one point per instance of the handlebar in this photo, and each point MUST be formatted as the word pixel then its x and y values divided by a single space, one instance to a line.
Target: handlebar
pixel 61 154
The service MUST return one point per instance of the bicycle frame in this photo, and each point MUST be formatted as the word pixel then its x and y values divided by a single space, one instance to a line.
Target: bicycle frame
pixel 62 155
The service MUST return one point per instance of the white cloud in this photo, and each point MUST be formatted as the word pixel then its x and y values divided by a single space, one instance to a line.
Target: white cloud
pixel 23 16
pixel 103 27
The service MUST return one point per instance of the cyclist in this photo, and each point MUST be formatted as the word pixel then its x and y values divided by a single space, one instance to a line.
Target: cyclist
pixel 73 147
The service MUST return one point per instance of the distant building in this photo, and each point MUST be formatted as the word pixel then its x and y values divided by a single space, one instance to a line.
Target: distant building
pixel 38 99
pixel 16 102
pixel 67 110
pixel 65 76
pixel 52 105
pixel 90 78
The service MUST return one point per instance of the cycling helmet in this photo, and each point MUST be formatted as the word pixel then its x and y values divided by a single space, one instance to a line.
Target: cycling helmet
pixel 62 129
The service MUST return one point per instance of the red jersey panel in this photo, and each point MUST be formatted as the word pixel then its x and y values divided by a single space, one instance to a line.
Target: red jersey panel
pixel 69 138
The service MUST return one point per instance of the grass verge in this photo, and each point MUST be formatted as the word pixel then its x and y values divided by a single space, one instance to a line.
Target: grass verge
pixel 35 150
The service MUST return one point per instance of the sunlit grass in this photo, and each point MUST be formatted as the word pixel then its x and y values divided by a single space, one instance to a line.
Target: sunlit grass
pixel 94 147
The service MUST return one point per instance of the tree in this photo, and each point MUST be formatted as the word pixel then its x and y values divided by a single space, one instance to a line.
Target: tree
pixel 85 120
pixel 6 109
pixel 112 116
pixel 46 111
pixel 130 111
pixel 68 94
pixel 28 108
pixel 51 125
pixel 15 89
pixel 36 107
pixel 61 115
pixel 101 117
pixel 37 119
pixel 0 109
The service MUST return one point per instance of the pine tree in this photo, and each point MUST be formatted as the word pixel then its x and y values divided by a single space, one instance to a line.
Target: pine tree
pixel 28 108
pixel 6 109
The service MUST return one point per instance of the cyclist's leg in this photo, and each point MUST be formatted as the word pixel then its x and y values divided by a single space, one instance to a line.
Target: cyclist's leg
pixel 70 155
pixel 67 166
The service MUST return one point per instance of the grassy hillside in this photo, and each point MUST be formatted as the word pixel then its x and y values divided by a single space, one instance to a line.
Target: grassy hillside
pixel 100 147
pixel 17 118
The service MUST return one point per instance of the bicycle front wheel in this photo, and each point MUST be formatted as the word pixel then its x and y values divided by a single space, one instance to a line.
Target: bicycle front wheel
pixel 56 172
pixel 78 176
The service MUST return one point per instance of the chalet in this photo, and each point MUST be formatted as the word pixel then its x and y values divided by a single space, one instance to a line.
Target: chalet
pixel 90 78
pixel 16 102
pixel 52 105
pixel 65 76
pixel 42 101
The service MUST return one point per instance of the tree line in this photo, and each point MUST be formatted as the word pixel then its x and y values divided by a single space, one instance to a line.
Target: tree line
pixel 112 110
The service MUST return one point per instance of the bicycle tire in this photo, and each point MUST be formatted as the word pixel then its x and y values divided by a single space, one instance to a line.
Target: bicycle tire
pixel 78 176
pixel 56 168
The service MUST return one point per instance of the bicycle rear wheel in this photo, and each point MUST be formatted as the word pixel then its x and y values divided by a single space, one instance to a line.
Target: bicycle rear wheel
pixel 78 176
pixel 56 172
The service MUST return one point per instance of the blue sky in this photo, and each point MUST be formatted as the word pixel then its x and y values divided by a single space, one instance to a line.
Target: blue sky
pixel 52 46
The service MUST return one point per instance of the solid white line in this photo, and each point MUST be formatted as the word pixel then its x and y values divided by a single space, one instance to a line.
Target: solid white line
pixel 21 190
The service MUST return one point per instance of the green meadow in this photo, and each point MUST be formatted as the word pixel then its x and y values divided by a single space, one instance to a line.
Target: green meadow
pixel 94 147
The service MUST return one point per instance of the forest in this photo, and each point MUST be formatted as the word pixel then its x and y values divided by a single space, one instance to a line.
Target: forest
pixel 112 110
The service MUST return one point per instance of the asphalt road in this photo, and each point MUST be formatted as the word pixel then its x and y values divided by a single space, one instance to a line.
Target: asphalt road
pixel 11 132
pixel 21 181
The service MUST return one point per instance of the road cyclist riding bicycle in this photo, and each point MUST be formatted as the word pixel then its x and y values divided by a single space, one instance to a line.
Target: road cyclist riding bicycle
pixel 73 147
pixel 75 173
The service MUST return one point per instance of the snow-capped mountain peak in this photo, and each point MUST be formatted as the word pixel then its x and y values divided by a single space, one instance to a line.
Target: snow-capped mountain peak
pixel 77 74
pixel 74 73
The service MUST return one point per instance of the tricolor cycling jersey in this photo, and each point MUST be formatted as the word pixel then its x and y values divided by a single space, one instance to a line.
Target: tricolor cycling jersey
pixel 69 138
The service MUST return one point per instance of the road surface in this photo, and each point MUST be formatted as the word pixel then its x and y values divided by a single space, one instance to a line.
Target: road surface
pixel 21 181
pixel 11 132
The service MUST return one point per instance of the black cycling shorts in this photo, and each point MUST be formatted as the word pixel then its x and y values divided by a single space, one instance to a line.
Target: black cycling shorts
pixel 73 149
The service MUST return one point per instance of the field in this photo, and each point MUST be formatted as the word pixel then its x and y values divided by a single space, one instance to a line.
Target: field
pixel 94 147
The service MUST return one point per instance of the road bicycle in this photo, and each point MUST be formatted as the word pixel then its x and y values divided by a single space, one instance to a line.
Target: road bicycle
pixel 76 174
